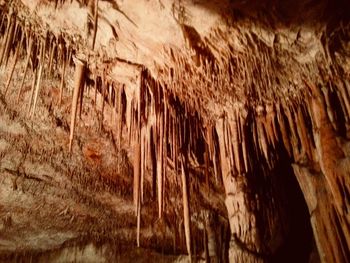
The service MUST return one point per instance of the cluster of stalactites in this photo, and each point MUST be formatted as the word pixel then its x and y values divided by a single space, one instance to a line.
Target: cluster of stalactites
pixel 44 54
pixel 155 120
pixel 307 133
pixel 167 131
pixel 231 75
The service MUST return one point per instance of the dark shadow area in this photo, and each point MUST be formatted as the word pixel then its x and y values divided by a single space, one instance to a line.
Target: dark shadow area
pixel 299 244
pixel 283 219
pixel 287 12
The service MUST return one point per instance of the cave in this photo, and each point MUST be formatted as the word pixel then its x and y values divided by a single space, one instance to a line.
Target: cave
pixel 299 243
pixel 175 131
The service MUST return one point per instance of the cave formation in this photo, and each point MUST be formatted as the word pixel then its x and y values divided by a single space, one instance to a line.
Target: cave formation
pixel 174 131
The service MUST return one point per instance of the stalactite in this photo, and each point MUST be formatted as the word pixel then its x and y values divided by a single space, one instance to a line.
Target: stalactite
pixel 95 89
pixel 186 206
pixel 70 54
pixel 81 99
pixel 114 106
pixel 120 119
pixel 283 129
pixel 190 134
pixel 270 125
pixel 51 56
pixel 244 142
pixel 44 49
pixel 109 90
pixel 137 175
pixel 211 148
pixel 32 91
pixel 29 50
pixel 160 162
pixel 174 142
pixel 235 143
pixel 171 136
pixel 345 98
pixel 78 83
pixel 3 18
pixel 328 150
pixel 343 106
pixel 262 138
pixel 10 31
pixel 129 115
pixel 144 150
pixel 206 162
pixel 17 52
pixel 225 168
pixel 95 24
pixel 38 82
pixel 293 137
pixel 103 94
pixel 331 116
pixel 229 147
pixel 138 222
pixel 153 162
pixel 138 159
pixel 63 73
pixel 37 88
pixel 165 149
pixel 303 134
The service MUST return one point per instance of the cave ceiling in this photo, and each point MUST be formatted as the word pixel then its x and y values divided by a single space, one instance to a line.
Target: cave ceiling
pixel 215 41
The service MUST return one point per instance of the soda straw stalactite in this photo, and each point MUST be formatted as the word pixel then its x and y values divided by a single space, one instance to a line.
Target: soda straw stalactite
pixel 30 47
pixel 79 81
pixel 32 91
pixel 51 57
pixel 95 24
pixel 137 196
pixel 38 82
pixel 160 163
pixel 186 206
pixel 17 52
pixel 9 34
pixel 37 88
pixel 63 73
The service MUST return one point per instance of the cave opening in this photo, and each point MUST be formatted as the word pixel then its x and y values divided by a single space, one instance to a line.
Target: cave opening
pixel 299 243
pixel 281 210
